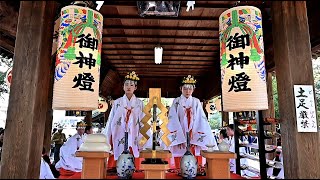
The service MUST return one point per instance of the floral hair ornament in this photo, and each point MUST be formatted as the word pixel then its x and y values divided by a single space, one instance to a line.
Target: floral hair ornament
pixel 132 76
pixel 189 80
pixel 81 125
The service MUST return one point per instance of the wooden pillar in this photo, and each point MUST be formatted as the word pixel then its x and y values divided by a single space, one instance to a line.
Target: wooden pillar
pixel 88 118
pixel 225 118
pixel 28 102
pixel 270 113
pixel 204 104
pixel 292 55
pixel 49 117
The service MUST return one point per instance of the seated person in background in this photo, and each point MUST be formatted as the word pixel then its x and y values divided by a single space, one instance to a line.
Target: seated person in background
pixel 223 136
pixel 47 170
pixel 69 165
pixel 88 130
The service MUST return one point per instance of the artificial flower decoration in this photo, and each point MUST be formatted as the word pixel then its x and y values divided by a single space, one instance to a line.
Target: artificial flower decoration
pixel 81 125
pixel 132 76
pixel 189 80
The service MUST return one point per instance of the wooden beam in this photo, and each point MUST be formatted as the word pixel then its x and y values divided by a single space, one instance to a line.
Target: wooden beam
pixel 218 5
pixel 107 17
pixel 106 43
pixel 111 84
pixel 105 54
pixel 161 66
pixel 157 28
pixel 292 55
pixel 159 69
pixel 152 49
pixel 171 62
pixel 7 43
pixel 8 18
pixel 164 59
pixel 157 73
pixel 28 101
pixel 108 35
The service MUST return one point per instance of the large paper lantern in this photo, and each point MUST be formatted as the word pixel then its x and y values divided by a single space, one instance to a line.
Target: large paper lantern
pixel 77 67
pixel 243 74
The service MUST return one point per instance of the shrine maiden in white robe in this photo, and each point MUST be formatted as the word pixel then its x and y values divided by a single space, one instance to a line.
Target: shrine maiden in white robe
pixel 178 126
pixel 68 159
pixel 116 127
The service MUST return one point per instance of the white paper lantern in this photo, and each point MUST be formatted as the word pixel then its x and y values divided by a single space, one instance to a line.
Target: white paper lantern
pixel 102 105
pixel 217 103
pixel 243 73
pixel 78 60
pixel 9 77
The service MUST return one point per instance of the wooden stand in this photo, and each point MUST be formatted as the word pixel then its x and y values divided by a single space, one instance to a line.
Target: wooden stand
pixel 155 171
pixel 218 164
pixel 93 165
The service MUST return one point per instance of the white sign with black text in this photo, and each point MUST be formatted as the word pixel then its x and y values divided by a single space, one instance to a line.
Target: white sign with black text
pixel 305 108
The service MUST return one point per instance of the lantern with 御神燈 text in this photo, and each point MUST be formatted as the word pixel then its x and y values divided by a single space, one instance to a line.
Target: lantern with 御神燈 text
pixel 243 74
pixel 77 67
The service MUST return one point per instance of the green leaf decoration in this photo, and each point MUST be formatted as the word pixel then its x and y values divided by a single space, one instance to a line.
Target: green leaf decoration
pixel 99 59
pixel 224 60
pixel 254 56
pixel 70 54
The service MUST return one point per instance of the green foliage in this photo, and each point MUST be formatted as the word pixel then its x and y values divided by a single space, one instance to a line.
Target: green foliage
pixel 215 120
pixel 275 97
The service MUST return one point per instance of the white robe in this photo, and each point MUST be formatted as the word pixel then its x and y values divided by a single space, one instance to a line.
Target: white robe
pixel 232 162
pixel 116 128
pixel 68 160
pixel 178 123
pixel 45 171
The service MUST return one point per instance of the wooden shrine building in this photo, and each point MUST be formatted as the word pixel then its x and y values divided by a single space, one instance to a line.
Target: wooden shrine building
pixel 191 46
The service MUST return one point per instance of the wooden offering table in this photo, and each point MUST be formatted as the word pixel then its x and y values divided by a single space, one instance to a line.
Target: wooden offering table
pixel 155 170
pixel 93 165
pixel 218 164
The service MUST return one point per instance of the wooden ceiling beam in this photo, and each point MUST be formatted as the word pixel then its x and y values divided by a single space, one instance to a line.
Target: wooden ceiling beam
pixel 7 43
pixel 156 28
pixel 8 18
pixel 105 54
pixel 142 70
pixel 159 74
pixel 152 60
pixel 179 18
pixel 105 43
pixel 161 66
pixel 152 49
pixel 181 63
pixel 220 5
pixel 157 36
